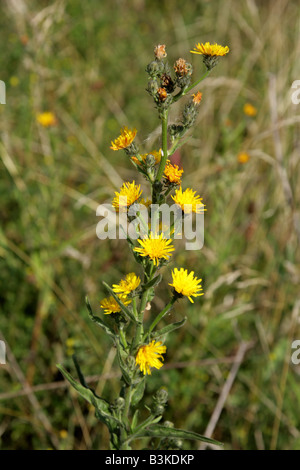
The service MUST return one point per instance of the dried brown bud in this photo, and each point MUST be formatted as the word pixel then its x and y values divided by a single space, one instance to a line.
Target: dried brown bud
pixel 180 67
pixel 167 82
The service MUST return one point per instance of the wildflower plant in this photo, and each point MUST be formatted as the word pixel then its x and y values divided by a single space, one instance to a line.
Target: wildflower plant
pixel 140 344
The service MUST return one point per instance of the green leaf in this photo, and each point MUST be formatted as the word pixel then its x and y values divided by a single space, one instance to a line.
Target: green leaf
pixel 160 431
pixel 154 282
pixel 79 373
pixel 167 329
pixel 98 320
pixel 124 309
pixel 101 405
pixel 138 393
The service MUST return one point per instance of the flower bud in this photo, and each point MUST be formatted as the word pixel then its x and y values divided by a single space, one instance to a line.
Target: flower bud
pixel 155 69
pixel 118 404
pixel 161 396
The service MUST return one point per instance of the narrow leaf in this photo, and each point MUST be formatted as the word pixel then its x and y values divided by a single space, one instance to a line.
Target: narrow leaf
pixel 98 320
pixel 79 373
pixel 167 329
pixel 101 405
pixel 154 282
pixel 138 393
pixel 124 309
pixel 158 430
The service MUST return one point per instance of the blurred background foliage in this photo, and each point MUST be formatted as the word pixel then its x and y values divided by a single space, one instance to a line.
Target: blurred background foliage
pixel 85 62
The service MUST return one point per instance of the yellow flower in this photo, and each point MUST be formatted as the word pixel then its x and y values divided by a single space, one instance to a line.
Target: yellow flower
pixel 210 49
pixel 149 356
pixel 155 247
pixel 243 157
pixel 186 283
pixel 173 173
pixel 110 305
pixel 129 193
pixel 46 119
pixel 127 285
pixel 249 110
pixel 156 154
pixel 124 140
pixel 63 433
pixel 188 201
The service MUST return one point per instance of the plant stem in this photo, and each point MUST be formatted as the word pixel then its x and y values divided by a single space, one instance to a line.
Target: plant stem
pixel 186 90
pixel 164 132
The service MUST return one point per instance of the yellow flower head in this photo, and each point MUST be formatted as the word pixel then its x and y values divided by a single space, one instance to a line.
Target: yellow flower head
pixel 188 201
pixel 155 247
pixel 124 140
pixel 249 110
pixel 127 285
pixel 186 283
pixel 173 173
pixel 110 305
pixel 129 193
pixel 243 157
pixel 46 119
pixel 210 49
pixel 149 356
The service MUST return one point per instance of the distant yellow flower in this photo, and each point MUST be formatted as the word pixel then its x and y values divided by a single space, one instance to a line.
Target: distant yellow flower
pixel 155 247
pixel 149 356
pixel 249 110
pixel 210 49
pixel 14 81
pixel 110 305
pixel 63 433
pixel 197 97
pixel 127 285
pixel 124 140
pixel 173 173
pixel 46 119
pixel 243 157
pixel 188 201
pixel 186 283
pixel 129 193
pixel 156 154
